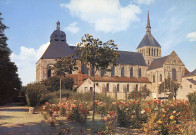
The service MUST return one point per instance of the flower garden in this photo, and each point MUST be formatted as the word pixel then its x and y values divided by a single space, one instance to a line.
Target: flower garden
pixel 147 116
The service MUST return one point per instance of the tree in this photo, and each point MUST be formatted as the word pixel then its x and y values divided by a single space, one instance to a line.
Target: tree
pixel 97 56
pixel 169 86
pixel 63 67
pixel 9 80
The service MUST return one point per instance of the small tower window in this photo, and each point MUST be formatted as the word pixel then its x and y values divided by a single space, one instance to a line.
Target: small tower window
pixel 131 72
pixel 157 52
pixel 113 71
pixel 140 72
pixel 122 71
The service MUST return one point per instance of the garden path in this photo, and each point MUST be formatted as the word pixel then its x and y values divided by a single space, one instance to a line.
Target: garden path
pixel 16 120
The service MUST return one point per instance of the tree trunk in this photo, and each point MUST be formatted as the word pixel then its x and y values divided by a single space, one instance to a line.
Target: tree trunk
pixel 60 89
pixel 93 101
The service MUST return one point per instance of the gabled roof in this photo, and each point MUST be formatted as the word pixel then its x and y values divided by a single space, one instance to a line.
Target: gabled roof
pixel 57 49
pixel 158 63
pixel 192 81
pixel 131 58
pixel 148 40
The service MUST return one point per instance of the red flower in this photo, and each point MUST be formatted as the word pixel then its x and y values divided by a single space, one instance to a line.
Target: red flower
pixel 147 109
pixel 148 103
pixel 47 103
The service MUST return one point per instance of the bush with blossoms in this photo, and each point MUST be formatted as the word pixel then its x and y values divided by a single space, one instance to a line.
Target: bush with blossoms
pixel 70 109
pixel 170 117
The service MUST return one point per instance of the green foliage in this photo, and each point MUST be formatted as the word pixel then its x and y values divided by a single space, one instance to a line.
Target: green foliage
pixel 53 83
pixel 9 80
pixel 145 92
pixel 35 94
pixel 67 83
pixel 97 55
pixel 192 101
pixel 169 86
pixel 64 66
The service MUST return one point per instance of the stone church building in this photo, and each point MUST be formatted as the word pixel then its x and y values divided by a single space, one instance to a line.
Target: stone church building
pixel 135 70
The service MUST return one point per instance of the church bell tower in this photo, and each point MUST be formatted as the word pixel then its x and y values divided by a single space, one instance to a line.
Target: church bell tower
pixel 149 47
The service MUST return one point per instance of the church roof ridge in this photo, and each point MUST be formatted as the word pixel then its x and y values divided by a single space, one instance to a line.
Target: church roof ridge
pixel 158 63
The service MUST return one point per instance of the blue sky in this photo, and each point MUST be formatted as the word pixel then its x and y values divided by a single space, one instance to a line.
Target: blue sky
pixel 31 23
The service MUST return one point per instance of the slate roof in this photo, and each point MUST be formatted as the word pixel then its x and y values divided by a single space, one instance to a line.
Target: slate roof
pixel 57 49
pixel 192 73
pixel 158 63
pixel 58 46
pixel 148 40
pixel 131 58
pixel 192 81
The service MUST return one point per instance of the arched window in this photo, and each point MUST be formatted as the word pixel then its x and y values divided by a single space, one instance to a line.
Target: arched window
pixel 118 87
pixel 113 71
pixel 154 53
pixel 149 51
pixel 173 74
pixel 108 87
pixel 49 73
pixel 157 52
pixel 160 77
pixel 136 87
pixel 102 72
pixel 122 71
pixel 131 72
pixel 153 78
pixel 127 87
pixel 140 72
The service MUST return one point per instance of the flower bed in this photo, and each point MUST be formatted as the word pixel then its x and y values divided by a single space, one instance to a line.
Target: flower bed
pixel 156 116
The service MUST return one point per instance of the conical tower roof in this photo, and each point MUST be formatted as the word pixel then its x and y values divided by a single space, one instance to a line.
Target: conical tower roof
pixel 148 39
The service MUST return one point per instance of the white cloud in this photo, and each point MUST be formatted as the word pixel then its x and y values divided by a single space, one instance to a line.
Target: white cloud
pixel 191 36
pixel 72 28
pixel 26 62
pixel 146 2
pixel 104 15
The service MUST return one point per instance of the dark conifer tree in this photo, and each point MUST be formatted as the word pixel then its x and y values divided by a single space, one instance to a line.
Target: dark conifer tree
pixel 9 80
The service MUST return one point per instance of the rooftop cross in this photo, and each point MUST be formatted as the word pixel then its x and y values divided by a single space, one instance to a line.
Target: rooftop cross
pixel 58 25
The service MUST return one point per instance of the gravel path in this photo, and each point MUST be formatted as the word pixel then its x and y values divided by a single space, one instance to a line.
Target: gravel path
pixel 16 120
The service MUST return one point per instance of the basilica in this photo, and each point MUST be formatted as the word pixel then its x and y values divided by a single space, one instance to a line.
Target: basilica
pixel 135 70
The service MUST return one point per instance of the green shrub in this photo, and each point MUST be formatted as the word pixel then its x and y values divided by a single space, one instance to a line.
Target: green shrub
pixel 53 83
pixel 35 94
pixel 192 101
